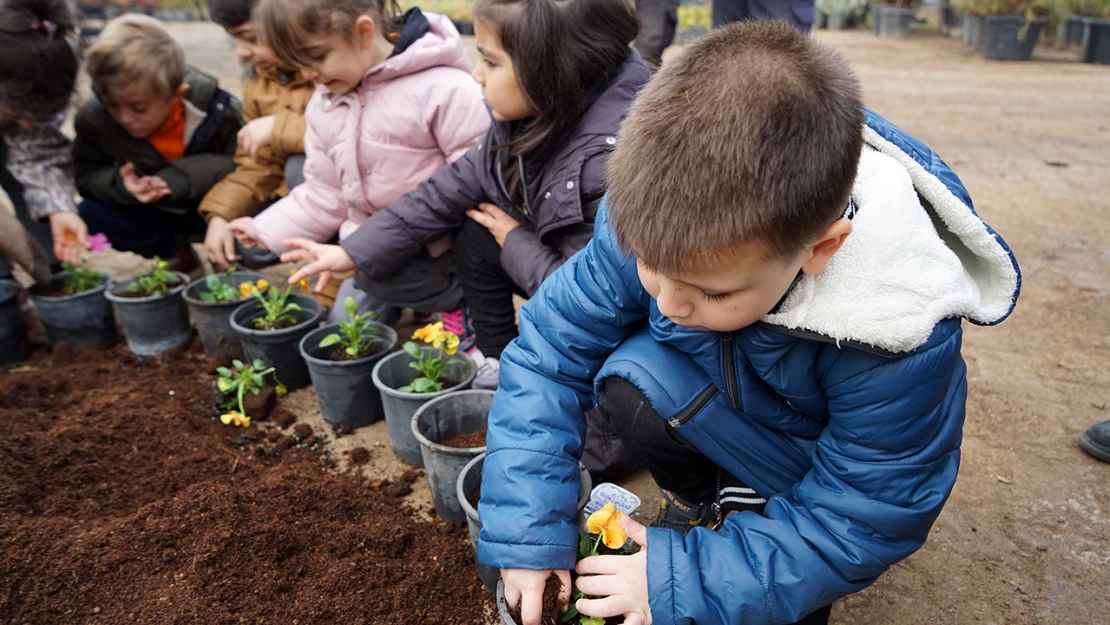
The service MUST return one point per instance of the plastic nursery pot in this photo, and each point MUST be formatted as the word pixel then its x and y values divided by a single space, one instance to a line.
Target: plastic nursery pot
pixel 213 319
pixel 1096 41
pixel 13 330
pixel 346 396
pixel 454 414
pixel 469 484
pixel 837 22
pixel 394 372
pixel 83 320
pixel 152 324
pixel 278 348
pixel 1010 37
pixel 876 18
pixel 895 21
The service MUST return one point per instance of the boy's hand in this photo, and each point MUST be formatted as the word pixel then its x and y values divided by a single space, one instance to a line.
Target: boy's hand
pixel 147 189
pixel 527 587
pixel 495 220
pixel 220 243
pixel 243 229
pixel 70 235
pixel 256 135
pixel 620 581
pixel 326 260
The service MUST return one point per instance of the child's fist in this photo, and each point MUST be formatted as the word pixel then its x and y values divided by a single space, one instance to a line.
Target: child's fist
pixel 256 135
pixel 219 242
pixel 243 229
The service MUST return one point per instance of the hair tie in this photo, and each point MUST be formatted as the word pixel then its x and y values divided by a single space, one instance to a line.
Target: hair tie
pixel 47 27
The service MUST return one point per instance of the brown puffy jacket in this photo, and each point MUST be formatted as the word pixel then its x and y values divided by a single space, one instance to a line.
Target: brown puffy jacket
pixel 247 189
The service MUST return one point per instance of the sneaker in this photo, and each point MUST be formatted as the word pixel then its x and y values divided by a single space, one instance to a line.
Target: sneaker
pixel 457 322
pixel 488 369
pixel 1096 441
pixel 680 515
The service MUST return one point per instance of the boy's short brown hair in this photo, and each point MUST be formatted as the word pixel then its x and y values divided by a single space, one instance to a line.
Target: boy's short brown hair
pixel 136 48
pixel 752 133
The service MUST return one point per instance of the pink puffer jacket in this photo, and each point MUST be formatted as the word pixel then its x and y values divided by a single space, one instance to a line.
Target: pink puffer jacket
pixel 410 116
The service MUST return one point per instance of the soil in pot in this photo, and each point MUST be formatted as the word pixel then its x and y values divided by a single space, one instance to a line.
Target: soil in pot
pixel 552 614
pixel 55 290
pixel 340 354
pixel 467 441
pixel 131 505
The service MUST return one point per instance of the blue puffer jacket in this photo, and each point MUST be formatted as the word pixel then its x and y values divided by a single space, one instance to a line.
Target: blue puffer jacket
pixel 843 408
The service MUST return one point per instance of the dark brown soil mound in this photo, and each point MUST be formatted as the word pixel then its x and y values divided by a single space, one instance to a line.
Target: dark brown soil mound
pixel 121 502
pixel 466 441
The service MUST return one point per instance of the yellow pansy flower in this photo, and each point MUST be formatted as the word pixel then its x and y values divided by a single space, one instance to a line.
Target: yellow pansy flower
pixel 162 264
pixel 429 332
pixel 245 289
pixel 607 522
pixel 236 419
pixel 452 344
pixel 262 284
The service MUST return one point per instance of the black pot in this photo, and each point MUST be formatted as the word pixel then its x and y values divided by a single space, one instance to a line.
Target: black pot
pixel 1010 37
pixel 1096 41
pixel 895 21
pixel 213 319
pixel 153 324
pixel 83 320
pixel 345 389
pixel 13 330
pixel 278 348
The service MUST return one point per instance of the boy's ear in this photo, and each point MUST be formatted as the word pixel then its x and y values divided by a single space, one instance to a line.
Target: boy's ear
pixel 181 91
pixel 828 243
pixel 365 29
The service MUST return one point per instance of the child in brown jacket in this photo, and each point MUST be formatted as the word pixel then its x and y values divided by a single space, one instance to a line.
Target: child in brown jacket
pixel 270 156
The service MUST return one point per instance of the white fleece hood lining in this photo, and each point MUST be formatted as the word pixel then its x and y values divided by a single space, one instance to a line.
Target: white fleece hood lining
pixel 906 266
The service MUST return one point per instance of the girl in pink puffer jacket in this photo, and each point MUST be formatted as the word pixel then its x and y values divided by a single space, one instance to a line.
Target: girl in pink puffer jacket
pixel 394 102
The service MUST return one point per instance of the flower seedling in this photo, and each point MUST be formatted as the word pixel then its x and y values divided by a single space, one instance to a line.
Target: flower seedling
pixel 79 279
pixel 157 282
pixel 430 364
pixel 356 336
pixel 606 523
pixel 277 308
pixel 239 380
pixel 222 290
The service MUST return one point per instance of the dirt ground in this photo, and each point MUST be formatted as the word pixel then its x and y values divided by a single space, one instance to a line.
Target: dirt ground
pixel 1025 537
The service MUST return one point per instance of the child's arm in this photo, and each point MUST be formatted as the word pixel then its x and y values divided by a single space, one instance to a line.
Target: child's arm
pixel 96 173
pixel 537 425
pixel 883 468
pixel 316 208
pixel 458 113
pixel 387 240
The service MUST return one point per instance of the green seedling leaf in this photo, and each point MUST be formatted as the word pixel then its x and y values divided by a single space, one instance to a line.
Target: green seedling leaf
pixel 412 349
pixel 329 340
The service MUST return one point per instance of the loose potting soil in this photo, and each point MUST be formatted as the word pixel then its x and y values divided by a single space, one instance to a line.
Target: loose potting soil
pixel 466 441
pixel 121 501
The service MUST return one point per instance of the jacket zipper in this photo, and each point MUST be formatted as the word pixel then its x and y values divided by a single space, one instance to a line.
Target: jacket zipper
pixel 505 191
pixel 821 338
pixel 728 359
pixel 694 407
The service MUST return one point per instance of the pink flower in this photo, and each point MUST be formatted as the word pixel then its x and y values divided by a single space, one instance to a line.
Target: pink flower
pixel 99 242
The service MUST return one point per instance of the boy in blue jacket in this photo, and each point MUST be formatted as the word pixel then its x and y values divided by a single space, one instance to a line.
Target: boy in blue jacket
pixel 769 315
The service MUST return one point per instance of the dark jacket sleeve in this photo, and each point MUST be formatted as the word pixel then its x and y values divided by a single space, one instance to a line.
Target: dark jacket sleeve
pixel 96 172
pixel 388 240
pixel 529 261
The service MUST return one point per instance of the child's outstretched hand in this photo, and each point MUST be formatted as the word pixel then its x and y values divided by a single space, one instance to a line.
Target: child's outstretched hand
pixel 527 586
pixel 256 135
pixel 147 189
pixel 219 242
pixel 620 581
pixel 243 229
pixel 327 260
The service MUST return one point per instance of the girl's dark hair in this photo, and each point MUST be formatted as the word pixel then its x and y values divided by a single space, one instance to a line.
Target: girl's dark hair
pixel 230 13
pixel 38 56
pixel 560 49
pixel 284 23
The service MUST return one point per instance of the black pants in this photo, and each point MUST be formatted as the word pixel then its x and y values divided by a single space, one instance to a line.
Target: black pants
pixel 675 464
pixel 658 19
pixel 487 288
pixel 145 230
